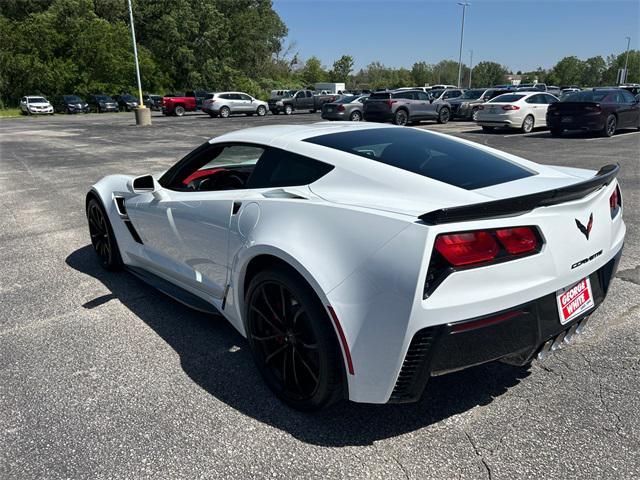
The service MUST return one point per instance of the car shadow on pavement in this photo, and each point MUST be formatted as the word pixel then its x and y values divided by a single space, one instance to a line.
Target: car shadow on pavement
pixel 216 357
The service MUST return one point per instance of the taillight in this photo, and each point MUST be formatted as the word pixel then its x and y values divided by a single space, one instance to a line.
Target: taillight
pixel 467 247
pixel 615 201
pixel 390 102
pixel 593 108
pixel 341 108
pixel 463 250
pixel 518 240
pixel 510 107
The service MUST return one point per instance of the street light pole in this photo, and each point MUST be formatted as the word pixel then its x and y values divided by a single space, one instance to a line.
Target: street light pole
pixel 143 115
pixel 464 6
pixel 626 60
pixel 470 66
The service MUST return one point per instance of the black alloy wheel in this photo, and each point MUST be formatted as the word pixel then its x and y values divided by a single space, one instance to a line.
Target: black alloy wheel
pixel 401 117
pixel 292 341
pixel 444 115
pixel 609 126
pixel 102 238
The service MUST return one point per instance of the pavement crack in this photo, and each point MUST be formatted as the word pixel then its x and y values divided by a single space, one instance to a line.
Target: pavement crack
pixel 402 467
pixel 479 455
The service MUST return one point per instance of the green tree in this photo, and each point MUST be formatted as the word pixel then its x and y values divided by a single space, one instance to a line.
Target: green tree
pixel 421 74
pixel 616 62
pixel 312 72
pixel 342 68
pixel 593 71
pixel 568 71
pixel 487 74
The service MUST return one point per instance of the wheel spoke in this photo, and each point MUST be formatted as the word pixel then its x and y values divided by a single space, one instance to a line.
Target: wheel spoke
pixel 296 380
pixel 273 312
pixel 267 338
pixel 307 366
pixel 295 317
pixel 266 319
pixel 284 368
pixel 309 346
pixel 275 353
pixel 284 306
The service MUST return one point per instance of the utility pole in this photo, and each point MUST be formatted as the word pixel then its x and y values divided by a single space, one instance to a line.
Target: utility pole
pixel 626 61
pixel 470 66
pixel 143 114
pixel 464 6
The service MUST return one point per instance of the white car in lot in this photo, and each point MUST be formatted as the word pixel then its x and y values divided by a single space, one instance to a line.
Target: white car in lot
pixel 361 259
pixel 34 105
pixel 224 104
pixel 521 110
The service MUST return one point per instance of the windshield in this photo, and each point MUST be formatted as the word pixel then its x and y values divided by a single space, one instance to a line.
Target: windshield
pixel 128 98
pixel 36 100
pixel 72 98
pixel 593 96
pixel 507 98
pixel 472 94
pixel 435 93
pixel 104 98
pixel 346 99
pixel 426 154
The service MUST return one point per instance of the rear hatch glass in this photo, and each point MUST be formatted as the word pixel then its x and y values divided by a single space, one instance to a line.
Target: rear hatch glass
pixel 426 154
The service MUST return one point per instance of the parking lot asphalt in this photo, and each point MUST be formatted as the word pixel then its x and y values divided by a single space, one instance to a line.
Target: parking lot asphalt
pixel 103 377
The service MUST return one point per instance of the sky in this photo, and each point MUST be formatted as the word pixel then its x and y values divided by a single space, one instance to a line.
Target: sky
pixel 520 34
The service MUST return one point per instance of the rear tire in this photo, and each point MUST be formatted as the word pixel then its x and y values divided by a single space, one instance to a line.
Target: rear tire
pixel 225 112
pixel 610 125
pixel 293 341
pixel 355 116
pixel 556 132
pixel 179 111
pixel 444 115
pixel 401 117
pixel 527 124
pixel 487 129
pixel 102 237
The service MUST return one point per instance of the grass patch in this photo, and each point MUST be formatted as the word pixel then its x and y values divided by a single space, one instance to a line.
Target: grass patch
pixel 9 112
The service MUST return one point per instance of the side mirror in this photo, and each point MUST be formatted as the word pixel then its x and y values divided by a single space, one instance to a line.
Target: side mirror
pixel 143 184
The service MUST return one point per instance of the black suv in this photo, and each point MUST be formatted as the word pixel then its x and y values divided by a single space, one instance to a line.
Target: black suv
pixel 126 102
pixel 102 103
pixel 70 104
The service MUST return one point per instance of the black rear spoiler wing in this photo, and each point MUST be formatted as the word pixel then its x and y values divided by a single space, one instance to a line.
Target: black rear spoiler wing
pixel 511 207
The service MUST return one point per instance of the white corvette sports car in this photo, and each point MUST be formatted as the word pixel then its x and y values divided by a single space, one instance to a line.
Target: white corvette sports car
pixel 361 259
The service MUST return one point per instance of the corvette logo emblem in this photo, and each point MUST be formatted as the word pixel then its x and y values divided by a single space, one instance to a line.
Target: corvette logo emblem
pixel 585 230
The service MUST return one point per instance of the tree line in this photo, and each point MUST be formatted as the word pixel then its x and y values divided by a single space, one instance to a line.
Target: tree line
pixel 55 47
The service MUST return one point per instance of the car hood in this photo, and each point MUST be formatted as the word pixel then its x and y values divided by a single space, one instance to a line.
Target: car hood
pixel 410 194
pixel 39 104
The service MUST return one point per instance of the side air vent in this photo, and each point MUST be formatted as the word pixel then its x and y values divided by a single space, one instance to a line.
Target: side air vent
pixel 133 232
pixel 414 373
pixel 122 210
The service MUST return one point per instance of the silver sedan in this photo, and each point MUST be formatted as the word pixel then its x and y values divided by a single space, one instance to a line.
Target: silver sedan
pixel 347 108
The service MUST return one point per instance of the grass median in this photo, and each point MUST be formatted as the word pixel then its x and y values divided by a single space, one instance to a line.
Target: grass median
pixel 9 112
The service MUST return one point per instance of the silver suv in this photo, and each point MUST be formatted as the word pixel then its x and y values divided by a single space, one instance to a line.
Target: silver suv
pixel 405 106
pixel 223 104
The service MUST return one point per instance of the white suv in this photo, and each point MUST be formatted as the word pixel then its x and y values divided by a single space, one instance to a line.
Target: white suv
pixel 35 106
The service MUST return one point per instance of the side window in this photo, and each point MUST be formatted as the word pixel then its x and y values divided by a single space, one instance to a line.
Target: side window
pixel 245 97
pixel 628 98
pixel 309 94
pixel 224 96
pixel 551 99
pixel 404 95
pixel 278 168
pixel 423 96
pixel 24 99
pixel 532 99
pixel 213 168
pixel 300 95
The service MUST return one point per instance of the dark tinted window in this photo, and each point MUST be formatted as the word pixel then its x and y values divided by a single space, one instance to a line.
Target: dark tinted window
pixel 426 154
pixel 278 168
pixel 506 98
pixel 404 95
pixel 628 98
pixel 380 96
pixel 588 96
pixel 423 96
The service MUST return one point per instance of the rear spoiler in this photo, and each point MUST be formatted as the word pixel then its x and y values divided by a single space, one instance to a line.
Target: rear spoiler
pixel 511 207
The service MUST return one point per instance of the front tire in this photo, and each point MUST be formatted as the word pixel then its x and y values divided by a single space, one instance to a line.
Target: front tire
pixel 288 110
pixel 610 126
pixel 292 340
pixel 261 111
pixel 102 237
pixel 444 115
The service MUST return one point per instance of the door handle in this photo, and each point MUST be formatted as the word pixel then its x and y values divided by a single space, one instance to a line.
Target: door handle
pixel 236 207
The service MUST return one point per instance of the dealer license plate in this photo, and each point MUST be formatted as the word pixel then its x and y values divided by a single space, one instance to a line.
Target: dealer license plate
pixel 566 120
pixel 575 300
pixel 329 109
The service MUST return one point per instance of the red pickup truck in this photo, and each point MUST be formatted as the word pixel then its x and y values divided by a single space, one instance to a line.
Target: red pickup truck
pixel 179 104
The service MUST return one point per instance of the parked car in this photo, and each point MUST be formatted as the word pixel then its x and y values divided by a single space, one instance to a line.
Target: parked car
pixel 299 100
pixel 569 91
pixel 345 108
pixel 405 106
pixel 70 104
pixel 553 90
pixel 466 105
pixel 522 110
pixel 633 88
pixel 126 102
pixel 223 104
pixel 361 260
pixel 102 103
pixel 35 105
pixel 180 103
pixel 152 101
pixel 603 110
pixel 526 87
pixel 445 94
pixel 441 87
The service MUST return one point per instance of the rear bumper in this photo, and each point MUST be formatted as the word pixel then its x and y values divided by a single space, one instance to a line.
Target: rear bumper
pixel 377 116
pixel 334 115
pixel 586 122
pixel 516 337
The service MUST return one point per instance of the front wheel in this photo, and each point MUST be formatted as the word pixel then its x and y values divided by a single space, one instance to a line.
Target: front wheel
pixel 293 341
pixel 444 115
pixel 261 111
pixel 610 125
pixel 527 124
pixel 355 116
pixel 102 237
pixel 179 110
pixel 474 115
pixel 288 110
